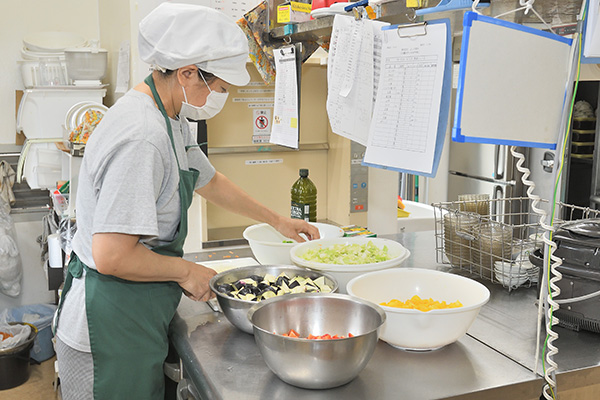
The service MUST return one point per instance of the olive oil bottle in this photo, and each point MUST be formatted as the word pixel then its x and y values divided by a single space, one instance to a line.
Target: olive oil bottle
pixel 304 198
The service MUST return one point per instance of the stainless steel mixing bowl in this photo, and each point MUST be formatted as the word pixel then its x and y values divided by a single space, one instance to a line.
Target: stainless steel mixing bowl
pixel 236 310
pixel 309 363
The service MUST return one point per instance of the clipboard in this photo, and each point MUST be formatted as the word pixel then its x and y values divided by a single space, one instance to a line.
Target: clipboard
pixel 512 84
pixel 591 33
pixel 441 103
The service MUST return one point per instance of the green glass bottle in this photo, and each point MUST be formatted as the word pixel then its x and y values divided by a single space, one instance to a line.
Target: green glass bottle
pixel 304 198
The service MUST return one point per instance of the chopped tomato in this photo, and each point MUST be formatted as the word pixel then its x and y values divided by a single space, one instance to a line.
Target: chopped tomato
pixel 293 333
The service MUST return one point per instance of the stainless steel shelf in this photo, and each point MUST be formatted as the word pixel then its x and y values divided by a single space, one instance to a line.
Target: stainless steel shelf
pixel 266 148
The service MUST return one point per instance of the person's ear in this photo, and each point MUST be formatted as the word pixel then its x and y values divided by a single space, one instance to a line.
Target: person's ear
pixel 186 74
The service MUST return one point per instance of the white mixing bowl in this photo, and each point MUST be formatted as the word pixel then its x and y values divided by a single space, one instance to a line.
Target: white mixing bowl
pixel 414 329
pixel 270 248
pixel 343 273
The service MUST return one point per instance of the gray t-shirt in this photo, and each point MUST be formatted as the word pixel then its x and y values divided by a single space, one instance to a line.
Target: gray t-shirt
pixel 128 183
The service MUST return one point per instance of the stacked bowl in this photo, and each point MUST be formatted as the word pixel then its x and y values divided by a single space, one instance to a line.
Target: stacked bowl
pixel 458 237
pixel 494 243
pixel 43 58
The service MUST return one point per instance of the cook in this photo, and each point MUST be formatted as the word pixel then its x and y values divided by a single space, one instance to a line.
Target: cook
pixel 140 169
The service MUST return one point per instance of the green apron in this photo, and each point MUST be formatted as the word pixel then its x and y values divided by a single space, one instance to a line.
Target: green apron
pixel 128 321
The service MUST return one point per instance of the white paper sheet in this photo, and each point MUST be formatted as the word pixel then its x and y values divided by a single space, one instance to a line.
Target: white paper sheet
pixel 285 110
pixel 591 46
pixel 405 118
pixel 353 62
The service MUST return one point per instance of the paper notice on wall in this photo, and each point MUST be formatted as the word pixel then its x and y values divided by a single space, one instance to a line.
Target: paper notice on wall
pixel 352 75
pixel 122 85
pixel 234 8
pixel 261 125
pixel 285 111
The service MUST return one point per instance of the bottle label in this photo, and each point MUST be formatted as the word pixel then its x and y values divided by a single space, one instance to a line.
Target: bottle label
pixel 300 210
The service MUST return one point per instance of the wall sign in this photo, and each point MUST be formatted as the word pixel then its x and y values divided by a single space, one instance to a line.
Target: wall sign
pixel 261 125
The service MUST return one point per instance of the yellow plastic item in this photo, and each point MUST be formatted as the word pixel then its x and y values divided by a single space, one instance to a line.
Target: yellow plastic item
pixel 400 203
pixel 403 214
pixel 293 12
pixel 413 3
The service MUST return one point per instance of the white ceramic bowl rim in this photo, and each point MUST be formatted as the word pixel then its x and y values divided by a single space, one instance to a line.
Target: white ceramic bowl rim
pixel 445 311
pixel 354 268
pixel 405 253
pixel 249 230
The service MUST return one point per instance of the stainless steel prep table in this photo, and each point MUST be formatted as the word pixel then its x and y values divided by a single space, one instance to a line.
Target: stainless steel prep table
pixel 495 359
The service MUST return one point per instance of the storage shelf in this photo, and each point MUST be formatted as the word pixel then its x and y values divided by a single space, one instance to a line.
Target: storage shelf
pixel 320 28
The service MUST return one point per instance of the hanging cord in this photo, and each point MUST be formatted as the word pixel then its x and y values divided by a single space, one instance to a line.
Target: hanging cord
pixel 546 238
pixel 526 5
pixel 551 274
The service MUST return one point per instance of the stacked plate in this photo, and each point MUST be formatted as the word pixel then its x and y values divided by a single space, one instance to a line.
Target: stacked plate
pixel 459 238
pixel 516 273
pixel 76 113
pixel 43 58
pixel 494 243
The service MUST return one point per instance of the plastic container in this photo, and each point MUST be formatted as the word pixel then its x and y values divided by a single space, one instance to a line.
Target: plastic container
pixel 42 111
pixel 86 64
pixel 304 198
pixel 39 315
pixel 49 72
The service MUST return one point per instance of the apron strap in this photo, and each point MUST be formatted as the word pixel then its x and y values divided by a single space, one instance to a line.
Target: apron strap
pixel 150 82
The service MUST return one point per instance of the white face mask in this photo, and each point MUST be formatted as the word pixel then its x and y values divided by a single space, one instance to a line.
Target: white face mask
pixel 215 102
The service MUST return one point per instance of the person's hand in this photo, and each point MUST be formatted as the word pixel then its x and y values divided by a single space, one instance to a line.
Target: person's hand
pixel 292 227
pixel 196 285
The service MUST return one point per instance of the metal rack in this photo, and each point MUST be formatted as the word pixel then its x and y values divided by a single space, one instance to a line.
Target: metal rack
pixel 495 242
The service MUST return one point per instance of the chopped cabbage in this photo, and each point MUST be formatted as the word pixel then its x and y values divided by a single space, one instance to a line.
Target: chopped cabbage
pixel 348 254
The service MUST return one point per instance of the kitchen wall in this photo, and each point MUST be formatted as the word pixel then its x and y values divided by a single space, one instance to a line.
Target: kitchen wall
pixel 115 29
pixel 21 18
pixel 17 20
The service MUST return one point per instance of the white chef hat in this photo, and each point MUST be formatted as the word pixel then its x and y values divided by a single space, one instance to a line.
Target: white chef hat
pixel 174 35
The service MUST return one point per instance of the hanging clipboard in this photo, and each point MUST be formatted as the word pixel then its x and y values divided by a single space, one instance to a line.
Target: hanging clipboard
pixel 511 85
pixel 410 116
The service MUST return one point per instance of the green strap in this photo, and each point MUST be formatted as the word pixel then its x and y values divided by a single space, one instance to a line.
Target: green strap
pixel 150 82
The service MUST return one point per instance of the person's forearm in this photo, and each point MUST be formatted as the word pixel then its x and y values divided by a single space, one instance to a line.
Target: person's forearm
pixel 125 257
pixel 223 192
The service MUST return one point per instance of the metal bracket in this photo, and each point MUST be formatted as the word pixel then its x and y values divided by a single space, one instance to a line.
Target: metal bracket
pixel 548 161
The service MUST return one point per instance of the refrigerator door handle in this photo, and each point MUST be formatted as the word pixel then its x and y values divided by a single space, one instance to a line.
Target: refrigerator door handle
pixel 497 206
pixel 499 161
pixel 483 178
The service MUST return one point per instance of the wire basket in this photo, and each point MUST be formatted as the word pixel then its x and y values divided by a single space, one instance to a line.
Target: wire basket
pixel 492 239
